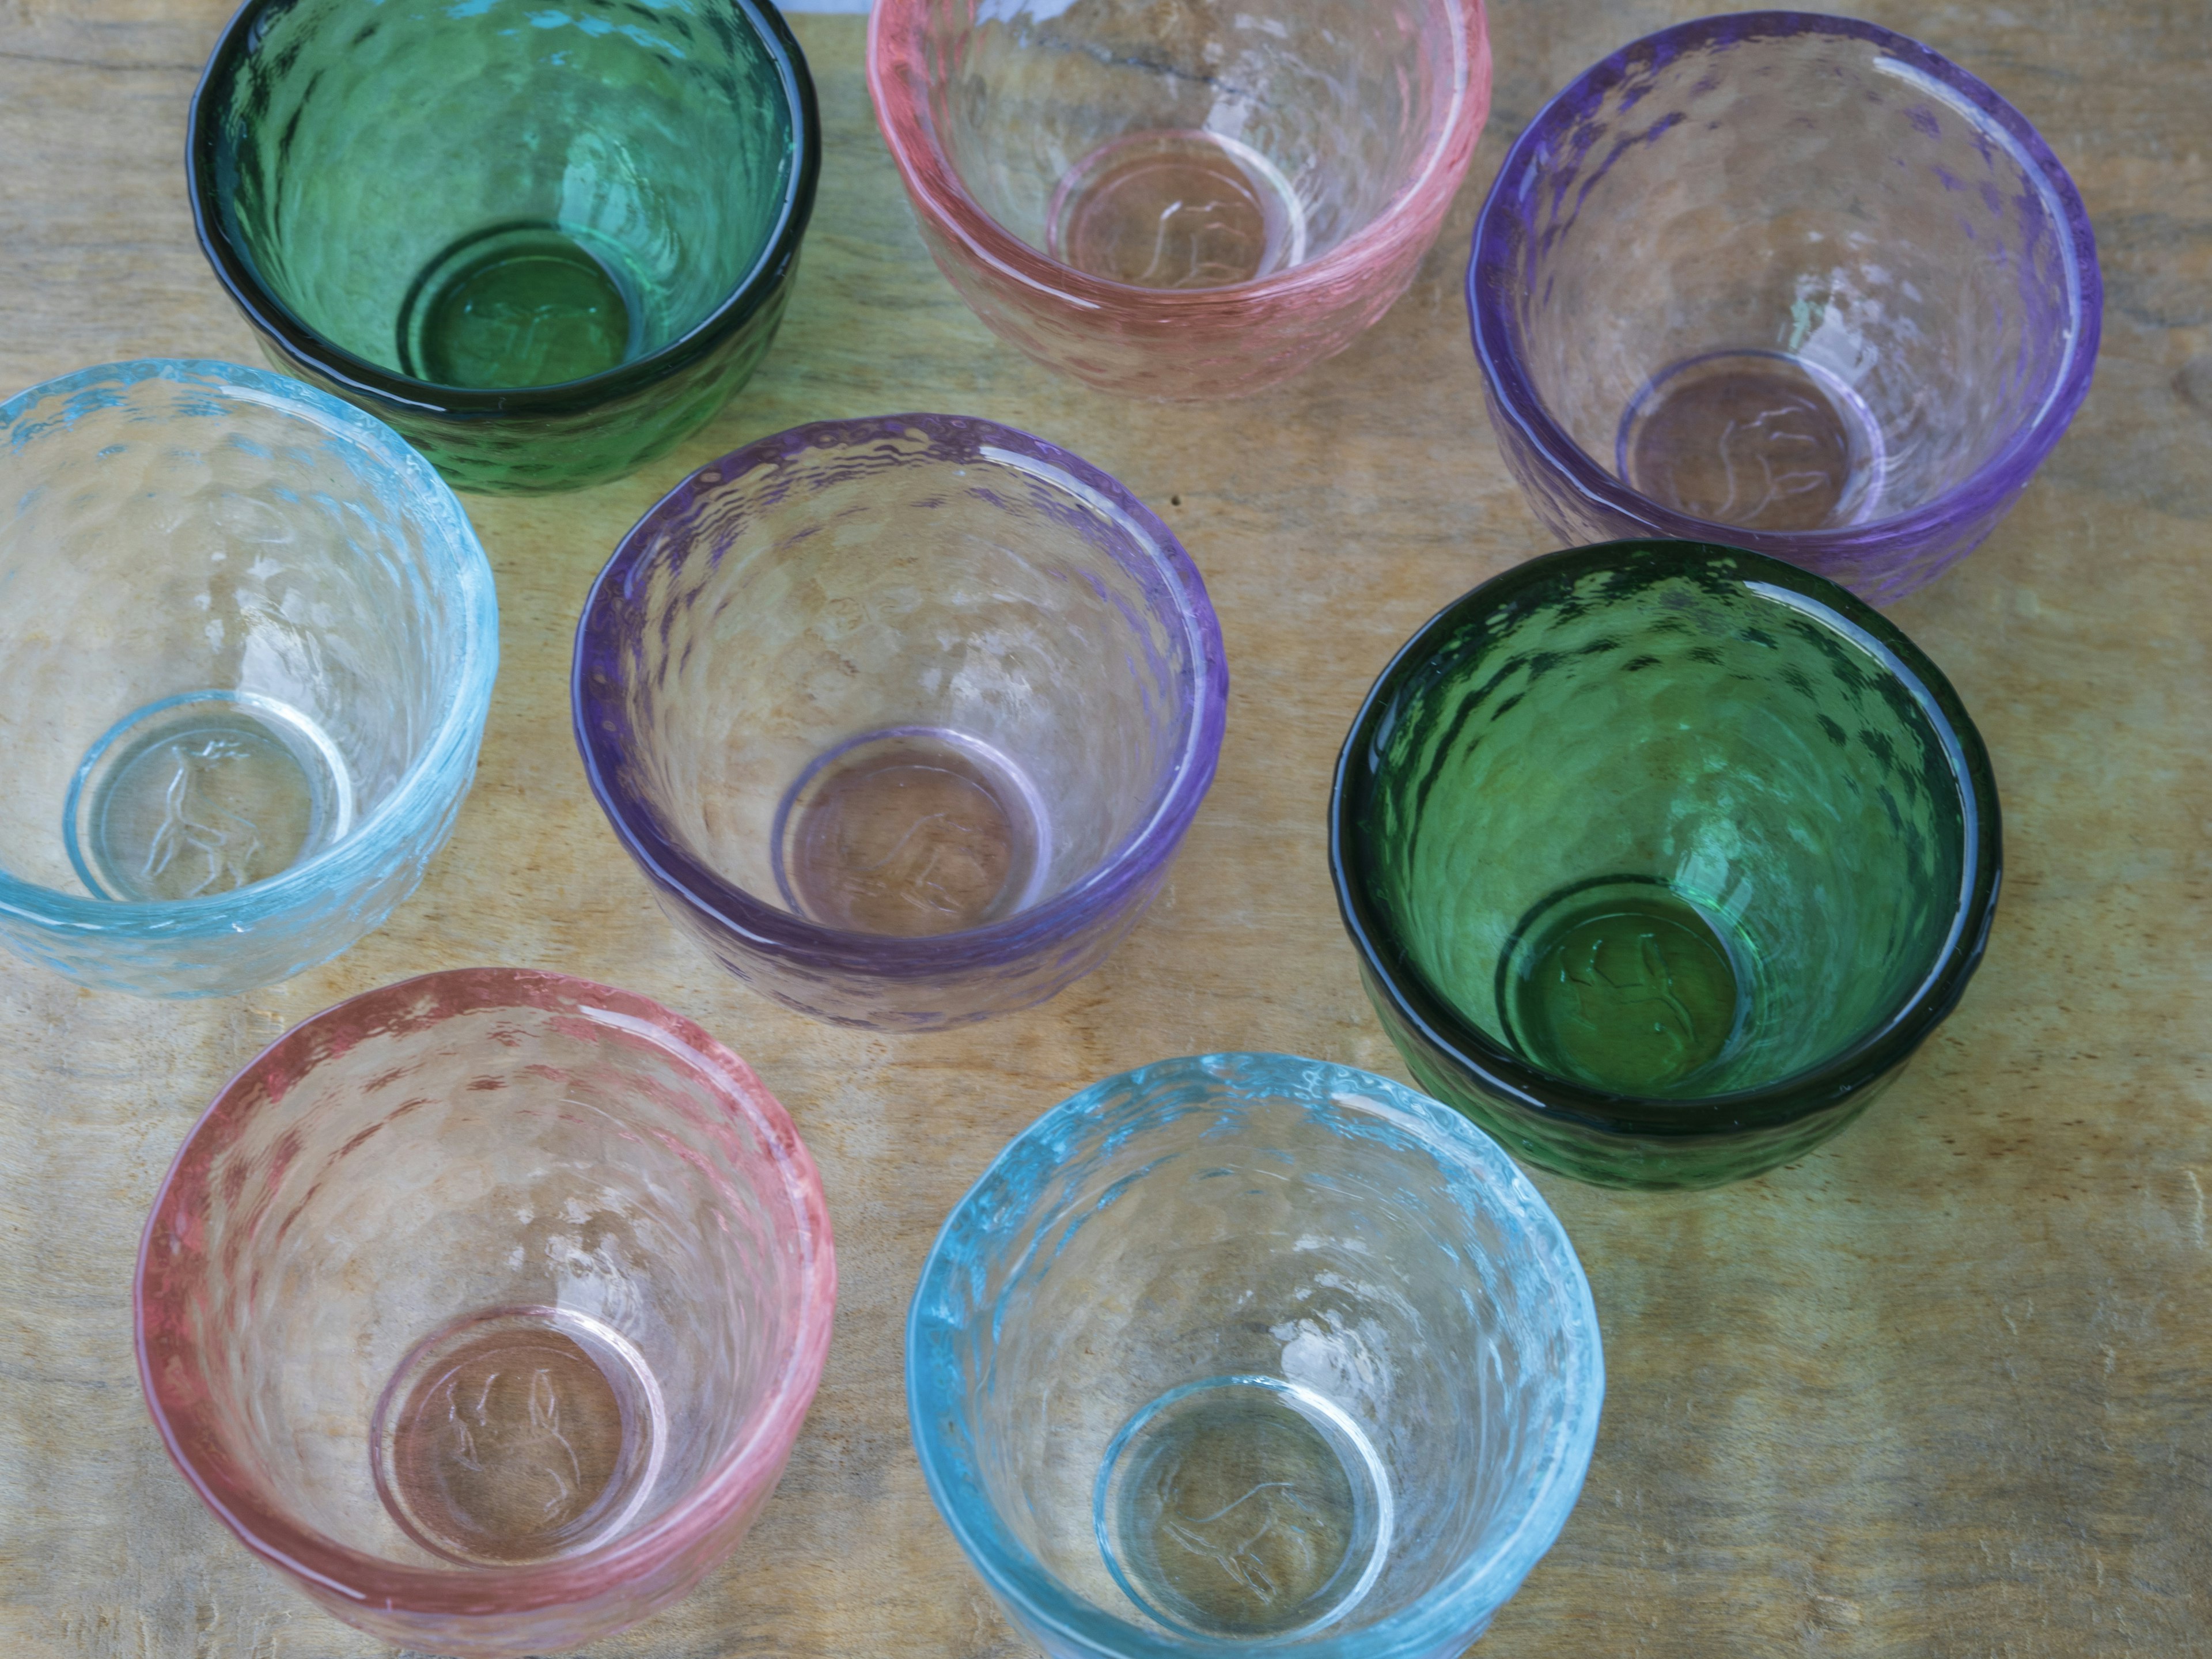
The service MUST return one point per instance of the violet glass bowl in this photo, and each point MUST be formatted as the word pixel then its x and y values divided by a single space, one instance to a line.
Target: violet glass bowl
pixel 1248 1353
pixel 1180 201
pixel 486 1307
pixel 1788 282
pixel 903 718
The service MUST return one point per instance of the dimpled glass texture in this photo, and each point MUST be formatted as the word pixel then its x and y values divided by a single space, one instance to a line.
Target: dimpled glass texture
pixel 903 718
pixel 1661 859
pixel 247 652
pixel 1178 199
pixel 1788 282
pixel 486 1306
pixel 543 242
pixel 1251 1353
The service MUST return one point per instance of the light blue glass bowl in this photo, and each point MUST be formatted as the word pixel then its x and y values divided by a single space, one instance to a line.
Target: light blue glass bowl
pixel 245 660
pixel 1248 1353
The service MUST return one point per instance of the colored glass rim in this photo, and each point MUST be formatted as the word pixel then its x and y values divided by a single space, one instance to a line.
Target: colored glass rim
pixel 358 375
pixel 307 1553
pixel 898 84
pixel 429 784
pixel 1476 1588
pixel 1892 1038
pixel 603 727
pixel 1491 281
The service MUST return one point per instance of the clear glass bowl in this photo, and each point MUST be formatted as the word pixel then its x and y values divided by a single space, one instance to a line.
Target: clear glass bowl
pixel 904 718
pixel 1250 1353
pixel 1788 282
pixel 1663 859
pixel 246 660
pixel 543 242
pixel 1180 200
pixel 486 1307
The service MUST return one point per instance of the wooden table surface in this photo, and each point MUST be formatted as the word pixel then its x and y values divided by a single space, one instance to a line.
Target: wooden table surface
pixel 1944 1389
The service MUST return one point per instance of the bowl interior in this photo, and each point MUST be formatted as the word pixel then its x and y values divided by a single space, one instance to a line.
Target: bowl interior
pixel 1178 144
pixel 235 625
pixel 896 678
pixel 1785 273
pixel 473 1272
pixel 1661 824
pixel 497 194
pixel 1247 1347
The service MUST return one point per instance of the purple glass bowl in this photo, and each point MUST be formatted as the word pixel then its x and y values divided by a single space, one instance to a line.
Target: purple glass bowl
pixel 1788 282
pixel 903 717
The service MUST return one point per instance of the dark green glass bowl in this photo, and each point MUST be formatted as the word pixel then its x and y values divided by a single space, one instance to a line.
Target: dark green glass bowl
pixel 1661 859
pixel 544 243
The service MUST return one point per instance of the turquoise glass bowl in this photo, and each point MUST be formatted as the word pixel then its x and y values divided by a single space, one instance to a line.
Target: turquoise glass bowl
pixel 1252 1354
pixel 1661 859
pixel 243 670
pixel 543 243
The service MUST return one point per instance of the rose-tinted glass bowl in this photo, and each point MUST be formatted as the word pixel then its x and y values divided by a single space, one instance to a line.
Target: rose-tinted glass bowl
pixel 1250 1353
pixel 1180 200
pixel 486 1306
pixel 544 242
pixel 903 718
pixel 246 655
pixel 1663 859
pixel 1783 282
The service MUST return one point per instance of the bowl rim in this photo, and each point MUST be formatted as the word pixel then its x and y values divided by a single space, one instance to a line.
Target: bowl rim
pixel 336 1569
pixel 282 328
pixel 1513 396
pixel 1450 1610
pixel 898 88
pixel 1496 1069
pixel 602 726
pixel 439 774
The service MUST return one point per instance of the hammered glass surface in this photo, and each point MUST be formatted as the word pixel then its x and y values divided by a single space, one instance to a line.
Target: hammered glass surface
pixel 544 245
pixel 178 531
pixel 486 1140
pixel 1767 809
pixel 916 574
pixel 1867 283
pixel 1180 201
pixel 1264 1217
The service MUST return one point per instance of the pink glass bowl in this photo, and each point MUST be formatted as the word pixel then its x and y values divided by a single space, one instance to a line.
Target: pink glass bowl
pixel 486 1307
pixel 1787 282
pixel 1180 201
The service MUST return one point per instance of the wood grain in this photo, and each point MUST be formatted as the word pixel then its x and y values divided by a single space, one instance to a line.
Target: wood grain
pixel 1943 1390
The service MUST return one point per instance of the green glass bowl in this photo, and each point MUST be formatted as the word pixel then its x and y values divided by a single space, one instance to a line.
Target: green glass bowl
pixel 1661 859
pixel 543 244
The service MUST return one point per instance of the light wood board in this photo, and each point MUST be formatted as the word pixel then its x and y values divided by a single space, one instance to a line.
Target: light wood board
pixel 1943 1390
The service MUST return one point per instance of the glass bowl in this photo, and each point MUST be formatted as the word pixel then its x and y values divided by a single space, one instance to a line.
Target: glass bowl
pixel 1179 200
pixel 1788 282
pixel 248 654
pixel 486 1306
pixel 1661 859
pixel 903 718
pixel 1251 1353
pixel 543 243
